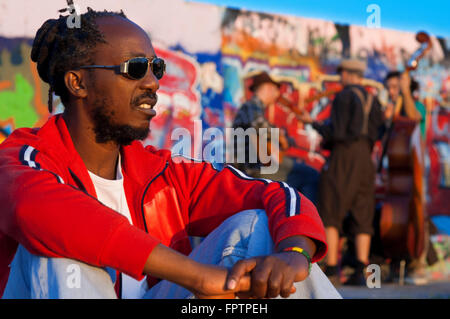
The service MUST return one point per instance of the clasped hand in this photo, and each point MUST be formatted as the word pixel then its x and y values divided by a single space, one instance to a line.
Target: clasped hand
pixel 259 277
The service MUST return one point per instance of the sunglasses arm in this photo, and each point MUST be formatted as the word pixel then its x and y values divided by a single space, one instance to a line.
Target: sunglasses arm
pixel 123 68
pixel 98 67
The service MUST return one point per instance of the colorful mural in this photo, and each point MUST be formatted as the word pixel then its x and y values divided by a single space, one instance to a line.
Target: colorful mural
pixel 21 90
pixel 209 64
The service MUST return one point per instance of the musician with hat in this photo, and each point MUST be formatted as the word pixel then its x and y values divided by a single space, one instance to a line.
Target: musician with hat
pixel 251 114
pixel 347 179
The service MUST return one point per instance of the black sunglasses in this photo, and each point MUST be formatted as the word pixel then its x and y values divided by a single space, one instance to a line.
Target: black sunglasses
pixel 135 68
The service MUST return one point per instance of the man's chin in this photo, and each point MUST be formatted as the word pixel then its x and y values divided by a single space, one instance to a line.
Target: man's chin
pixel 121 135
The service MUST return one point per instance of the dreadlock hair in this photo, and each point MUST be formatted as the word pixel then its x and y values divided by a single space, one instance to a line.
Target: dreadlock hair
pixel 58 49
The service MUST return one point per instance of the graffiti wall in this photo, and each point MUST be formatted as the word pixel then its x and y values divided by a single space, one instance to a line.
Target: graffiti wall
pixel 211 52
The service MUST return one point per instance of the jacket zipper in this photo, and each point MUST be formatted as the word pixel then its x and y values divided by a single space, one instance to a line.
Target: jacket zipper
pixel 145 191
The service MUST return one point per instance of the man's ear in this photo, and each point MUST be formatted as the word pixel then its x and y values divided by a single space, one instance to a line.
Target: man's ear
pixel 76 83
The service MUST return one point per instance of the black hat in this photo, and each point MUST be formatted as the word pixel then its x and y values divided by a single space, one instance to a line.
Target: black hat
pixel 261 78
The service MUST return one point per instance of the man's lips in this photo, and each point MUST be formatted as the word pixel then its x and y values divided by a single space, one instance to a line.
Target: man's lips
pixel 146 106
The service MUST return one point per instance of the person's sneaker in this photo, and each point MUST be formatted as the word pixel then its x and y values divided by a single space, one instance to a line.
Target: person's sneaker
pixel 357 278
pixel 417 277
pixel 332 272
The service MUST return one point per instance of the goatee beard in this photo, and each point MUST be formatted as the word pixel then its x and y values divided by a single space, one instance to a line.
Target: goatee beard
pixel 107 131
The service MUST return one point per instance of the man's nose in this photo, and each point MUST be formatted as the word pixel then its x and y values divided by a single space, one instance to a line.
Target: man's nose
pixel 150 82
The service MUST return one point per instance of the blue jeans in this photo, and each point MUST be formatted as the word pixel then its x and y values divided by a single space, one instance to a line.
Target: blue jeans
pixel 241 236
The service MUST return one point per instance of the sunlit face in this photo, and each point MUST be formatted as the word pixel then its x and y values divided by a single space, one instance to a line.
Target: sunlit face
pixel 271 91
pixel 393 88
pixel 349 78
pixel 120 107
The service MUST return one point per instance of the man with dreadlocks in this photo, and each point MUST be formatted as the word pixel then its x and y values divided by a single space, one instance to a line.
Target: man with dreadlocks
pixel 89 212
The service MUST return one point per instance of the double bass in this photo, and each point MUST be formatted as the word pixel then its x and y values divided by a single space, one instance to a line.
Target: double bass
pixel 402 215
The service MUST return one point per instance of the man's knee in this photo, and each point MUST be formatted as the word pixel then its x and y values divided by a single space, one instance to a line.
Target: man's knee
pixel 250 214
pixel 34 276
pixel 245 234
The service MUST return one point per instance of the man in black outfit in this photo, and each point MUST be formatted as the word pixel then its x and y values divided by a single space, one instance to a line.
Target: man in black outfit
pixel 348 178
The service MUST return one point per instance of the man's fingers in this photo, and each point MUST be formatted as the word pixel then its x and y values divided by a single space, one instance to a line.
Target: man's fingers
pixel 245 283
pixel 239 269
pixel 287 287
pixel 274 284
pixel 288 292
pixel 260 278
pixel 279 285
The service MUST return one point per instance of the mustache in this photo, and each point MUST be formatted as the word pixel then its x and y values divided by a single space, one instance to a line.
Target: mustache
pixel 145 96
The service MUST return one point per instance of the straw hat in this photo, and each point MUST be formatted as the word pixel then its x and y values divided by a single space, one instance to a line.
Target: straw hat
pixel 352 65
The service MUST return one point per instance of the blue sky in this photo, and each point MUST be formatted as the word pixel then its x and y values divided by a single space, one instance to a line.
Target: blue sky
pixel 432 16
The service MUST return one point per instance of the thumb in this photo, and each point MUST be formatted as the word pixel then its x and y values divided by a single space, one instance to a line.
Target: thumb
pixel 244 283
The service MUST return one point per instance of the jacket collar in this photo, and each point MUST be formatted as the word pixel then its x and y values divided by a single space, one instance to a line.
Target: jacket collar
pixel 138 163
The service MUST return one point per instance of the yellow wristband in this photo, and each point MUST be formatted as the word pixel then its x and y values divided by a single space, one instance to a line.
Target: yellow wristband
pixel 301 251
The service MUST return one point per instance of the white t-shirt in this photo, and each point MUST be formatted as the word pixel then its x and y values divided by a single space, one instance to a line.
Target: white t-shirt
pixel 112 194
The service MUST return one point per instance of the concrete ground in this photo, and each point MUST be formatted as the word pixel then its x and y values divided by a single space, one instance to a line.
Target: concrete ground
pixel 433 290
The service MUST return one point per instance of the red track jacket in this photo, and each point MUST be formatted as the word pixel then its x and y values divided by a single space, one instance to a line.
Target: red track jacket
pixel 49 205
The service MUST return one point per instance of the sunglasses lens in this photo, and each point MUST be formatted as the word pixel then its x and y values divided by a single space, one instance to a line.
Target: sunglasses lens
pixel 137 67
pixel 158 67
